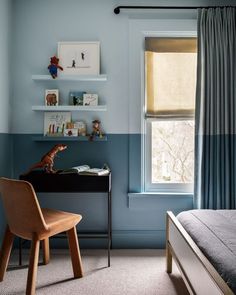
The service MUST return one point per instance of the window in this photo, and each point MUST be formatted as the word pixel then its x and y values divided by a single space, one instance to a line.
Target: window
pixel 170 79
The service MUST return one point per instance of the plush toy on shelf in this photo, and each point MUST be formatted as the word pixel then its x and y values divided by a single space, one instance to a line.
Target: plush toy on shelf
pixel 54 65
pixel 96 129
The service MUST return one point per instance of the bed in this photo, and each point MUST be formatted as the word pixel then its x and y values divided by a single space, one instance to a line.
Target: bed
pixel 203 245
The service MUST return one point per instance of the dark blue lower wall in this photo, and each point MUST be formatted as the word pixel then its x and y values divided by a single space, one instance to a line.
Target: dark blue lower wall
pixel 6 155
pixel 6 164
pixel 135 226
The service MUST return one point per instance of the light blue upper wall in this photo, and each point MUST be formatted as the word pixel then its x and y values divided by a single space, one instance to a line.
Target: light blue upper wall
pixel 39 25
pixel 5 27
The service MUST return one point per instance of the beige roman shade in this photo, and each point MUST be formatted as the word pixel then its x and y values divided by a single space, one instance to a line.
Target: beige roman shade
pixel 170 76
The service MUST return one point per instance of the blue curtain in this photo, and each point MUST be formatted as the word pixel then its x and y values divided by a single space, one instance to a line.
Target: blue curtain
pixel 215 140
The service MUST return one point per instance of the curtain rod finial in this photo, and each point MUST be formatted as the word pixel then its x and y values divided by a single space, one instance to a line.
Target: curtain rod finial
pixel 117 10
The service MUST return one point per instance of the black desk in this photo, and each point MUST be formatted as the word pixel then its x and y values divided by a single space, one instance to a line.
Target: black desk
pixel 75 183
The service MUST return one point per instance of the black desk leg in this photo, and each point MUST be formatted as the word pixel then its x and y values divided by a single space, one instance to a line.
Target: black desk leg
pixel 20 251
pixel 109 228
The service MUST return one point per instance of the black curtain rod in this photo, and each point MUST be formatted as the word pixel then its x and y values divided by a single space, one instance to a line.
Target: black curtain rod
pixel 118 8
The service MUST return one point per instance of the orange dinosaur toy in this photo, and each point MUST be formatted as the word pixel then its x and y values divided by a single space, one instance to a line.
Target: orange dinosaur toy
pixel 47 161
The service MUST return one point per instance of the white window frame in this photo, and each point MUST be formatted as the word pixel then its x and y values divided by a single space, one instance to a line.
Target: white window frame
pixel 147 184
pixel 160 25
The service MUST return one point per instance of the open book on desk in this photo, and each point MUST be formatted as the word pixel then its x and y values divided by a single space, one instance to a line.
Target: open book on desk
pixel 86 170
pixel 95 171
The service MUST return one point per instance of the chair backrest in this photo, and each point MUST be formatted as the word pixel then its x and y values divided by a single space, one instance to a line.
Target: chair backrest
pixel 21 206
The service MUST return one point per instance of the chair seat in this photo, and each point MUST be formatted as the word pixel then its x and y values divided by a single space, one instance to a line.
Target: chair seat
pixel 58 221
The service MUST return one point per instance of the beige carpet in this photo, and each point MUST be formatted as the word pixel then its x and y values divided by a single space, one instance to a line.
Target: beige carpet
pixel 132 272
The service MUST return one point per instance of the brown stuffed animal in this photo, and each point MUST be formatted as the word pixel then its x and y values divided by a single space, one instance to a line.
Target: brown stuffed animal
pixel 54 65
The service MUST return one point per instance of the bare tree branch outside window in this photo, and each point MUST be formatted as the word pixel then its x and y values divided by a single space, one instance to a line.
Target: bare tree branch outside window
pixel 172 151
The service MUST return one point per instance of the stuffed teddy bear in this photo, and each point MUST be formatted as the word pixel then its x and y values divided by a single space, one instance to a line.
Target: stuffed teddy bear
pixel 54 65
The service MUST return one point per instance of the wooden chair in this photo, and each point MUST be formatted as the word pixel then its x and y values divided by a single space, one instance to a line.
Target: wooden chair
pixel 27 220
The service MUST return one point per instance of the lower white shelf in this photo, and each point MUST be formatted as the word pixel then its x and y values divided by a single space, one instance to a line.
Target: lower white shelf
pixel 68 138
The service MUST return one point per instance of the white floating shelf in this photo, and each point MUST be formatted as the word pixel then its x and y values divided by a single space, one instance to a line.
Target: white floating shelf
pixel 70 78
pixel 62 108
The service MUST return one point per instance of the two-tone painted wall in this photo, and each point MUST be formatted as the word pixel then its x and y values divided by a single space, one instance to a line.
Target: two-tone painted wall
pixel 37 26
pixel 5 137
pixel 5 80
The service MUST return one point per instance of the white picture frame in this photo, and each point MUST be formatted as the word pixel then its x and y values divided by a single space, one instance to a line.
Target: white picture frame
pixel 55 123
pixel 51 97
pixel 79 58
pixel 90 99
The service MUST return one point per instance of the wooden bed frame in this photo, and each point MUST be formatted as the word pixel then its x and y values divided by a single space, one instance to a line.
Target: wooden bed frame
pixel 199 275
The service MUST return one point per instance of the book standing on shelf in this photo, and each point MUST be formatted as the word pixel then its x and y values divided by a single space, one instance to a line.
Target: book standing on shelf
pixel 55 123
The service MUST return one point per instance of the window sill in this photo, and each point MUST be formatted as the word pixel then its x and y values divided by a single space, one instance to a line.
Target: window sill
pixel 160 200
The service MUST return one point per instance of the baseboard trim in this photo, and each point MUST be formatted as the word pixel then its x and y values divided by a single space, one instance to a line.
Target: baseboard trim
pixel 124 239
pixel 121 239
pixel 138 239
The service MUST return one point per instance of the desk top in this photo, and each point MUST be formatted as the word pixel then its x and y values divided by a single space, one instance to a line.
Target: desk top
pixel 73 182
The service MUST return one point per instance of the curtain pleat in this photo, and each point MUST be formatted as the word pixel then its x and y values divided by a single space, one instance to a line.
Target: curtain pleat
pixel 215 159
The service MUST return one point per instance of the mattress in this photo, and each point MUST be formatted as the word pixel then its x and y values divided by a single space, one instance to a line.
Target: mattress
pixel 214 231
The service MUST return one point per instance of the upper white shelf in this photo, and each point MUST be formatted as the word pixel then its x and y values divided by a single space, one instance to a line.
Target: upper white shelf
pixel 70 78
pixel 69 108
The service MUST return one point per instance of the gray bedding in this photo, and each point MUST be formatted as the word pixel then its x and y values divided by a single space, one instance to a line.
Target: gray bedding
pixel 214 231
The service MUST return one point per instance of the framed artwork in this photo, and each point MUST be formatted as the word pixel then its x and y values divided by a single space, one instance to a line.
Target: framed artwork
pixel 79 58
pixel 90 99
pixel 51 97
pixel 55 123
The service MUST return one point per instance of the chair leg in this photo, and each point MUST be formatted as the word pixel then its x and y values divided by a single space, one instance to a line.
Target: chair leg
pixel 46 251
pixel 75 252
pixel 5 252
pixel 33 264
